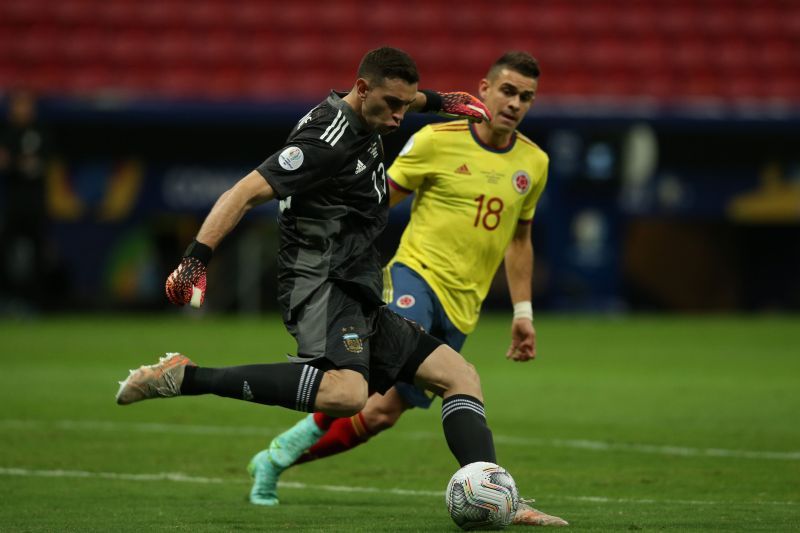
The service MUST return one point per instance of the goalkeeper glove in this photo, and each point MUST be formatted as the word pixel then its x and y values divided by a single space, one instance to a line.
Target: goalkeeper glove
pixel 187 283
pixel 456 105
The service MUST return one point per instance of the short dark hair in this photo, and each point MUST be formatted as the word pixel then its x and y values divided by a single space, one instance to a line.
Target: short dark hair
pixel 388 62
pixel 521 62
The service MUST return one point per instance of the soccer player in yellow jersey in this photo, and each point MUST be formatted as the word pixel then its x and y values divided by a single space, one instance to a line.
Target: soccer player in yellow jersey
pixel 475 189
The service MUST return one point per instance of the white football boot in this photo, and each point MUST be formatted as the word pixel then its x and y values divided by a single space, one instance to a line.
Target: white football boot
pixel 528 516
pixel 161 380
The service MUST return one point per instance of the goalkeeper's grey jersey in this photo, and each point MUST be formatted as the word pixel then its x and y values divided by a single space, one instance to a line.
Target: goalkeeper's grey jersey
pixel 331 180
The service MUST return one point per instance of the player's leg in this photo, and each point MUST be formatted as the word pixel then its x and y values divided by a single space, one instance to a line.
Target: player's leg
pixel 448 374
pixel 323 435
pixel 285 384
pixel 411 297
pixel 338 392
pixel 381 412
pixel 402 352
pixel 526 514
pixel 333 329
pixel 329 374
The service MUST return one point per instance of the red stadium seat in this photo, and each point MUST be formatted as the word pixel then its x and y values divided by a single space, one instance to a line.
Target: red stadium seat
pixel 89 79
pixel 85 46
pixel 204 14
pixel 636 21
pixel 36 45
pixel 19 12
pixel 667 49
pixel 132 46
pixel 72 11
pixel 118 14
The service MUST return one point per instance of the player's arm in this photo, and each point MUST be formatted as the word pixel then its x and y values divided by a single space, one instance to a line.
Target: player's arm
pixel 451 105
pixel 519 273
pixel 229 209
pixel 187 283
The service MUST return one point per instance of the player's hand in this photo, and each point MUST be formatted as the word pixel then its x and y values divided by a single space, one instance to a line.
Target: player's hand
pixel 464 105
pixel 187 283
pixel 523 340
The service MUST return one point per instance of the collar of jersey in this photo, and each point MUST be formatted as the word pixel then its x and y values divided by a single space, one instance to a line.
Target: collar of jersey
pixel 354 121
pixel 505 149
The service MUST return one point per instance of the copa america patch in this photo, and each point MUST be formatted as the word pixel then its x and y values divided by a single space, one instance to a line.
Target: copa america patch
pixel 291 158
pixel 353 342
pixel 405 301
pixel 521 181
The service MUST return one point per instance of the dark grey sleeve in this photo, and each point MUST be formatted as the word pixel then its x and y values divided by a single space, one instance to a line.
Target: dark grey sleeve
pixel 304 163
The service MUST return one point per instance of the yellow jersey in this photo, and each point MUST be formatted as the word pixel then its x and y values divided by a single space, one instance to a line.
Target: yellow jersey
pixel 469 199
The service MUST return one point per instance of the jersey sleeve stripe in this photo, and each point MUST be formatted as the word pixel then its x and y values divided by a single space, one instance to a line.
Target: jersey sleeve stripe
pixel 332 127
pixel 342 129
pixel 396 186
pixel 523 222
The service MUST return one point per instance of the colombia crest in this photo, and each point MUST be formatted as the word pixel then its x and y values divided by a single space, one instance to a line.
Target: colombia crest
pixel 521 181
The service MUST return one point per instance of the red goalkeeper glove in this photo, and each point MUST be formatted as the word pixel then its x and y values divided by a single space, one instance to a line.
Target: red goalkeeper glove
pixel 456 105
pixel 187 283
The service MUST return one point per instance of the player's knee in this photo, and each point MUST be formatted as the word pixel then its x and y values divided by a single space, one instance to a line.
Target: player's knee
pixel 471 376
pixel 466 380
pixel 341 402
pixel 342 393
pixel 350 403
pixel 378 421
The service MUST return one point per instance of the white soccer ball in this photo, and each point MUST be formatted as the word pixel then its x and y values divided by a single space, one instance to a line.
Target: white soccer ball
pixel 482 496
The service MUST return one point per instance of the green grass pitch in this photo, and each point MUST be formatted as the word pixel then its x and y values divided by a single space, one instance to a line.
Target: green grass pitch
pixel 648 423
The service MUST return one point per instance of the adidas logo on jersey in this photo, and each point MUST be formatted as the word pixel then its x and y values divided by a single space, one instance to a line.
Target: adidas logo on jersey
pixel 360 166
pixel 247 394
pixel 463 169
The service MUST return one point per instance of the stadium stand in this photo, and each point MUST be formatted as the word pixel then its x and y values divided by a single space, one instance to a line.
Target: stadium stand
pixel 669 50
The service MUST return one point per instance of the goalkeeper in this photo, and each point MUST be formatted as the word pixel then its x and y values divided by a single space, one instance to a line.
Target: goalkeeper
pixel 330 179
pixel 477 186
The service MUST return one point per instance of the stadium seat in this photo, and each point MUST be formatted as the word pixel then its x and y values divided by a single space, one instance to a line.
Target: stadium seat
pixel 716 48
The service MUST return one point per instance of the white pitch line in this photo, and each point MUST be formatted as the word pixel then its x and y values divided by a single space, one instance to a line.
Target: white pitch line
pixel 161 476
pixel 183 478
pixel 578 444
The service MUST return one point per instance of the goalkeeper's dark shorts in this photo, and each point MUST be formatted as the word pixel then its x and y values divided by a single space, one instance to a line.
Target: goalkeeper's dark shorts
pixel 337 329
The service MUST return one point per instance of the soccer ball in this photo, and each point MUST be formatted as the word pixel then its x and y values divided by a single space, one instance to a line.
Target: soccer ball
pixel 482 496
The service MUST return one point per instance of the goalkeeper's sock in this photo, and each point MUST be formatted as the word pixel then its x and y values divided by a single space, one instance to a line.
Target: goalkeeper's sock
pixel 465 429
pixel 289 385
pixel 344 434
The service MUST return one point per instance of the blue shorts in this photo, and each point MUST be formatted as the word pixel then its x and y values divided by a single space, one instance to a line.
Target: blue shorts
pixel 414 299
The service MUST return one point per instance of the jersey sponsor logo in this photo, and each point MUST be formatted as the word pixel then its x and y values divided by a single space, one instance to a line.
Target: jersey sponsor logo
pixel 360 166
pixel 521 181
pixel 405 301
pixel 291 158
pixel 407 148
pixel 352 342
pixel 463 169
pixel 493 176
pixel 336 129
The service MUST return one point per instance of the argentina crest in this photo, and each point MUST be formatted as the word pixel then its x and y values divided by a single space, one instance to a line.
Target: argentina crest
pixel 352 342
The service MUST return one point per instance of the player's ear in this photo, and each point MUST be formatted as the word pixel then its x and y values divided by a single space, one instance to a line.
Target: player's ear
pixel 362 88
pixel 483 88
